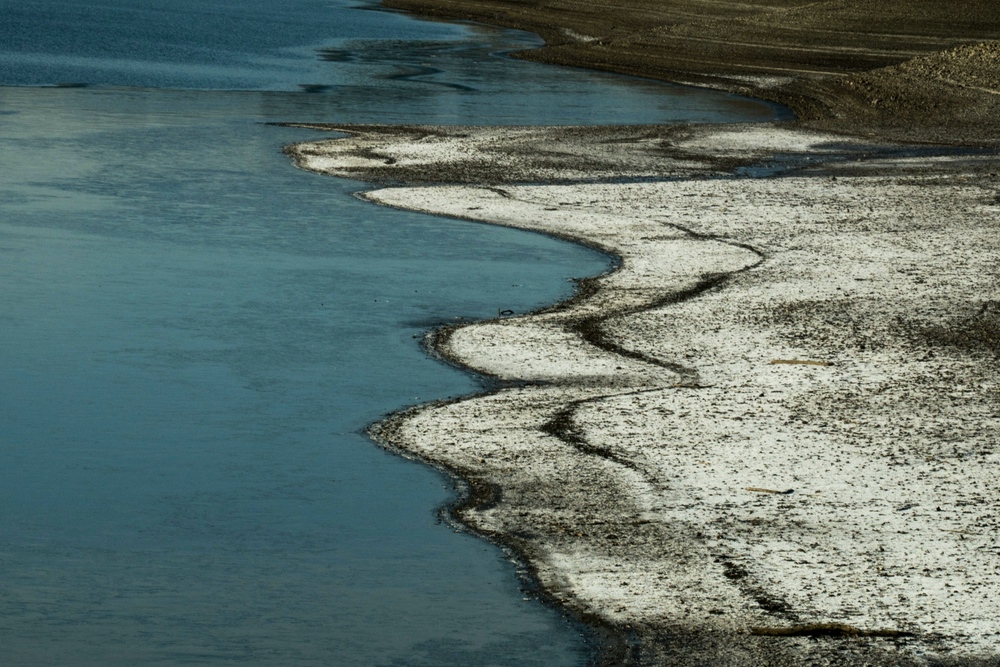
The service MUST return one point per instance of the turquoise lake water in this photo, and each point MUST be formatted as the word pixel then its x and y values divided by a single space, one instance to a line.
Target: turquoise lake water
pixel 194 335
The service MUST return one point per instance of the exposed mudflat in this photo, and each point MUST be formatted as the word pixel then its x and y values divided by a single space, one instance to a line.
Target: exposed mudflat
pixel 770 437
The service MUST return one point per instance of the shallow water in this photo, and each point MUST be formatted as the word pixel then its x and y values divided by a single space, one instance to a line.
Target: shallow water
pixel 194 336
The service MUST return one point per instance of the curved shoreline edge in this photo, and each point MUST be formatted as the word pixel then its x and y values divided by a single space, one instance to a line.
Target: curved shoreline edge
pixel 780 456
pixel 770 436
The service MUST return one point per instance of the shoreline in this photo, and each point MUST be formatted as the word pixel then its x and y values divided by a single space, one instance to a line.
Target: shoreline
pixel 589 489
pixel 925 74
pixel 639 449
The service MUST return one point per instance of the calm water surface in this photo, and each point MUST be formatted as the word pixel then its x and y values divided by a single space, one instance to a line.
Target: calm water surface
pixel 193 335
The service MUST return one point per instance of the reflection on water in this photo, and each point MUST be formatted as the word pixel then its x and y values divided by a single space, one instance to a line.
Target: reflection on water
pixel 220 44
pixel 361 65
pixel 195 335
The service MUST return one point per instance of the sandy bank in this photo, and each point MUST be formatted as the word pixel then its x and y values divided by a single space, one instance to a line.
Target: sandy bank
pixel 674 470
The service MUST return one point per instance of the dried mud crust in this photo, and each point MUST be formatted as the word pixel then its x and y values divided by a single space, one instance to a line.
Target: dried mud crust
pixel 834 62
pixel 770 436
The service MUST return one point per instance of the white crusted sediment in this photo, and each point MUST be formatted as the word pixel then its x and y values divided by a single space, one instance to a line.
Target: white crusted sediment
pixel 770 437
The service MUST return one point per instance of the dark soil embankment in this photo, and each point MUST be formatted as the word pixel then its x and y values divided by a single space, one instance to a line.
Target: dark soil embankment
pixel 871 67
